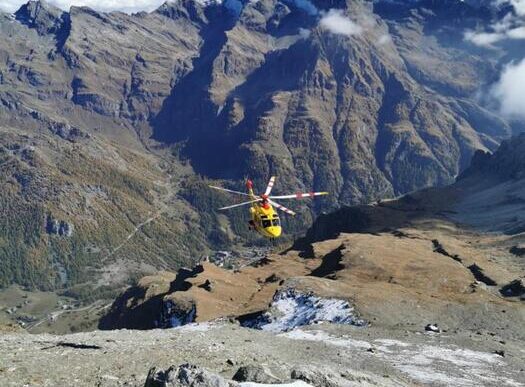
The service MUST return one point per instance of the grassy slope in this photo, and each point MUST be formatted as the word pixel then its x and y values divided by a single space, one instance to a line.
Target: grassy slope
pixel 104 191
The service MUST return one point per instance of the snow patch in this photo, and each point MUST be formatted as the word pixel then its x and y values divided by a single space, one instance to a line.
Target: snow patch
pixel 172 316
pixel 195 327
pixel 321 336
pixel 290 309
pixel 424 363
pixel 233 6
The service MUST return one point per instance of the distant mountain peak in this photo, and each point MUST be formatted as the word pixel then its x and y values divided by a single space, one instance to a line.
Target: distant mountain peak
pixel 42 16
pixel 196 10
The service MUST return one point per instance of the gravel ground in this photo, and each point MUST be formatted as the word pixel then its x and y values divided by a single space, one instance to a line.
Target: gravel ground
pixel 360 356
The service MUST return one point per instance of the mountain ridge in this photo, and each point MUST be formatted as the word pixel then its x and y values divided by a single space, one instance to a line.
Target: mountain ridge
pixel 192 89
pixel 430 247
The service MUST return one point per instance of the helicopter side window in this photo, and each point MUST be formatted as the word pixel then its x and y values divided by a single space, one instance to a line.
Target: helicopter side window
pixel 276 222
pixel 266 223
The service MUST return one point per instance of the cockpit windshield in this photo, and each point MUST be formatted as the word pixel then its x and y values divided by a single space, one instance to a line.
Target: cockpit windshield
pixel 266 223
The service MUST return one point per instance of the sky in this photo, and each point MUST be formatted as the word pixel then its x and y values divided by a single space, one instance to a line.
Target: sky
pixel 101 5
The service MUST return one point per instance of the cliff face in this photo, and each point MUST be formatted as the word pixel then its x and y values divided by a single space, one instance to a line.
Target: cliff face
pixel 104 118
pixel 352 111
pixel 506 163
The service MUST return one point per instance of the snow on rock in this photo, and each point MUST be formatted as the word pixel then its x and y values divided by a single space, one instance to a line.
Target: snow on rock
pixel 290 309
pixel 174 315
pixel 321 336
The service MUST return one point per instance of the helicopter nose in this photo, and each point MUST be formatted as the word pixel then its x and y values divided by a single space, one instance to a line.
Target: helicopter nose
pixel 274 231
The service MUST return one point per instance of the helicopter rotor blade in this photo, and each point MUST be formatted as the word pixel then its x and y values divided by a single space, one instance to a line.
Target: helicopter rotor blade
pixel 228 190
pixel 282 208
pixel 299 195
pixel 269 186
pixel 240 204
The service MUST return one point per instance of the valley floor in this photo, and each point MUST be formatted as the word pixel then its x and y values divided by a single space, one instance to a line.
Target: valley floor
pixel 350 355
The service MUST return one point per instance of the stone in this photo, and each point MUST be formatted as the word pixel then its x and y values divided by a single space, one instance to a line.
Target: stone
pixel 186 375
pixel 315 378
pixel 255 373
pixel 432 328
pixel 514 288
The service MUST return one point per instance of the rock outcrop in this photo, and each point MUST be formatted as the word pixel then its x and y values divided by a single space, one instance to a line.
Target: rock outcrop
pixel 186 375
pixel 255 374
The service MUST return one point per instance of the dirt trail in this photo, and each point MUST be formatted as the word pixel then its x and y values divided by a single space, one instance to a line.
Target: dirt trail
pixel 161 202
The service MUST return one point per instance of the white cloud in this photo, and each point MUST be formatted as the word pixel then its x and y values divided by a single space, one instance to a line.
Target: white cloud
pixel 509 27
pixel 510 90
pixel 304 33
pixel 484 39
pixel 100 5
pixel 488 39
pixel 519 6
pixel 10 5
pixel 516 33
pixel 337 23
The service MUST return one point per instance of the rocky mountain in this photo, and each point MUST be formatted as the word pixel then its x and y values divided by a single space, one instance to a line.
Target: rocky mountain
pixel 407 292
pixel 428 256
pixel 106 119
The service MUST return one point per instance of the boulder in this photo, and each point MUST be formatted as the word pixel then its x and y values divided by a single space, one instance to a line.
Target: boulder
pixel 316 378
pixel 186 375
pixel 255 373
pixel 514 288
pixel 432 328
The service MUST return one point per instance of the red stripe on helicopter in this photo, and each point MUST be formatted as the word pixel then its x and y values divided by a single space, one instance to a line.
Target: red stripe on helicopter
pixel 312 194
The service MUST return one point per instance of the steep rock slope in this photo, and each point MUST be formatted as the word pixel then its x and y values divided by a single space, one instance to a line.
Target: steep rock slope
pixel 131 106
pixel 68 156
pixel 339 111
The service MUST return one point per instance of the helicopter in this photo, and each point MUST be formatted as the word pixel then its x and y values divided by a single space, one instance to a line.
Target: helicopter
pixel 264 218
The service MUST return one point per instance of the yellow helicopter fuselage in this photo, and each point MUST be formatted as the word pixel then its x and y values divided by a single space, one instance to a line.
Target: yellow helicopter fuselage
pixel 264 218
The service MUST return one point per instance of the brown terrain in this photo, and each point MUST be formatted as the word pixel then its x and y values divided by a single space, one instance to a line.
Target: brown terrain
pixel 401 263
